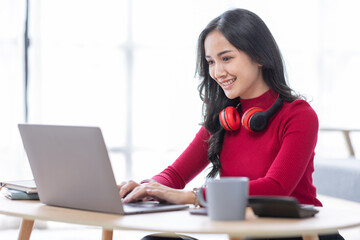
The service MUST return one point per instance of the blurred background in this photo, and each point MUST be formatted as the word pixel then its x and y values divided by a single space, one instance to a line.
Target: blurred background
pixel 128 66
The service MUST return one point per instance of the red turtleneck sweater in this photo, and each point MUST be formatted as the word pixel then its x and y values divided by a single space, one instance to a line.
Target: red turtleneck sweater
pixel 278 160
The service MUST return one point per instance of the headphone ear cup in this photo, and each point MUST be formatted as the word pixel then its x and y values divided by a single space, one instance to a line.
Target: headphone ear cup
pixel 230 119
pixel 249 116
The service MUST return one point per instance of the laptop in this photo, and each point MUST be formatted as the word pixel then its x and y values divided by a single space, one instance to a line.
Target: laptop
pixel 72 169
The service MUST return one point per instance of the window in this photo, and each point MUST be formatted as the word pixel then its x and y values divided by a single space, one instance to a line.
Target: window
pixel 11 86
pixel 128 67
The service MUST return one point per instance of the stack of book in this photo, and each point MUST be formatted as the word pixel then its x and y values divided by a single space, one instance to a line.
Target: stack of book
pixel 19 190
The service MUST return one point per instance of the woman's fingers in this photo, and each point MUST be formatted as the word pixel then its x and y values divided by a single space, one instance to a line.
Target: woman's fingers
pixel 140 192
pixel 136 194
pixel 121 185
pixel 156 191
pixel 126 187
pixel 167 194
pixel 157 194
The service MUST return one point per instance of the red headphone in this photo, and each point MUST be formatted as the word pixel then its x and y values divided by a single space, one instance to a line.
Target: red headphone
pixel 254 119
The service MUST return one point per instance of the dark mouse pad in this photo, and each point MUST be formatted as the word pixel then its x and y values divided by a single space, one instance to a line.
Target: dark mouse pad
pixel 280 207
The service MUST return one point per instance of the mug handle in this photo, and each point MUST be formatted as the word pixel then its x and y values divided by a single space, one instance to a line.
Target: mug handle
pixel 200 197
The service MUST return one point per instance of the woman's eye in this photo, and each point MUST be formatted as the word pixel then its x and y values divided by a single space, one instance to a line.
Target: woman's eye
pixel 210 62
pixel 226 59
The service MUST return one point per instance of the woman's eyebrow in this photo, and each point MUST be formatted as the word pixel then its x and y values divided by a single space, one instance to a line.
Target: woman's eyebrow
pixel 220 53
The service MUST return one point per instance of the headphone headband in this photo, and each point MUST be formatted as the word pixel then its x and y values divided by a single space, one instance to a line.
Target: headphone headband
pixel 258 119
pixel 274 108
pixel 254 119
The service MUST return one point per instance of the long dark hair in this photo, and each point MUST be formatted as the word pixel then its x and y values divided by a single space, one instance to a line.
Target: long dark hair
pixel 248 33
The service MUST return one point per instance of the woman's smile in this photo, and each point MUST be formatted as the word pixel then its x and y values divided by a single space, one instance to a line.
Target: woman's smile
pixel 226 84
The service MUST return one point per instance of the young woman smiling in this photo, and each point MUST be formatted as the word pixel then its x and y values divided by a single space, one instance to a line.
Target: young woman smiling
pixel 241 71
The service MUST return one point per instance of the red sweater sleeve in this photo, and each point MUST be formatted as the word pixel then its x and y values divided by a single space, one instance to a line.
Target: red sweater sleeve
pixel 189 164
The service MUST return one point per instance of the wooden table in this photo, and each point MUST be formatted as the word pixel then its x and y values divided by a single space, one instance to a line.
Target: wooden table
pixel 335 215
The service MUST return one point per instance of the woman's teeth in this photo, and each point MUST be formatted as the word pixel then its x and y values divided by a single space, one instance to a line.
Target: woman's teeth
pixel 228 82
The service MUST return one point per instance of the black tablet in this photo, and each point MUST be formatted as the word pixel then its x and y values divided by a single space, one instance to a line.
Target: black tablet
pixel 280 207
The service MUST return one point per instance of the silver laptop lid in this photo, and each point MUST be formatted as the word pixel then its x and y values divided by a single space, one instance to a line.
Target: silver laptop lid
pixel 71 167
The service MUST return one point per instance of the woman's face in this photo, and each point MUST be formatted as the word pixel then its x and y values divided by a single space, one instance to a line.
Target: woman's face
pixel 232 69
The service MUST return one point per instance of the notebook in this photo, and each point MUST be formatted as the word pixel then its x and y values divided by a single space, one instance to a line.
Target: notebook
pixel 72 169
pixel 27 186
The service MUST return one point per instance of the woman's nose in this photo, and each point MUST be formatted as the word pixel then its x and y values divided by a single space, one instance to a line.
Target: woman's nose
pixel 219 71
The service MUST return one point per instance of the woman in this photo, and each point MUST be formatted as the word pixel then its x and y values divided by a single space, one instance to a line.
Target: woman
pixel 240 66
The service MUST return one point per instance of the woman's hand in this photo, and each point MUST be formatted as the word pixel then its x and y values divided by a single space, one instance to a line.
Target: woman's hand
pixel 133 192
pixel 126 187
